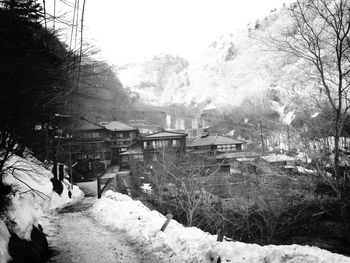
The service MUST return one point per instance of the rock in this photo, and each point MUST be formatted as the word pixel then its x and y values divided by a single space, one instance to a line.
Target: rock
pixel 57 185
pixel 24 251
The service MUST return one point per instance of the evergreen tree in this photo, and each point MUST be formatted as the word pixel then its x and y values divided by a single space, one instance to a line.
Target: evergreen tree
pixel 34 73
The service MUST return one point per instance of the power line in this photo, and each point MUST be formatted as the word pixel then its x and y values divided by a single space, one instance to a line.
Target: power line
pixel 54 15
pixel 73 21
pixel 77 25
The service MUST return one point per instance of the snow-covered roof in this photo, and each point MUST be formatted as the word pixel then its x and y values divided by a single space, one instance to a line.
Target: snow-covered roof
pixel 118 126
pixel 271 158
pixel 213 139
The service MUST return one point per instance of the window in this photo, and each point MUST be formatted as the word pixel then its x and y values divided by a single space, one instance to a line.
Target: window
pixel 95 135
pixel 227 147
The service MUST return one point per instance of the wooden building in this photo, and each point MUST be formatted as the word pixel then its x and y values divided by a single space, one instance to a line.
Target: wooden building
pixel 100 144
pixel 214 144
pixel 90 146
pixel 153 143
pixel 240 160
pixel 279 160
pixel 122 137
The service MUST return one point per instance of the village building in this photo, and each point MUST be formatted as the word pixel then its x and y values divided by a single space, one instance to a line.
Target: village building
pixel 280 160
pixel 155 142
pixel 90 148
pixel 214 144
pixel 238 160
pixel 96 146
pixel 122 137
pixel 131 155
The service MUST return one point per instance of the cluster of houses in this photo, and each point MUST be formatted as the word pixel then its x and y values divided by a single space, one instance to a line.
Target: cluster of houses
pixel 114 143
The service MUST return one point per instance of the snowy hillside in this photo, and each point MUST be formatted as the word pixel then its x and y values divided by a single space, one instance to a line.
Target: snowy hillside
pixel 234 66
pixel 180 244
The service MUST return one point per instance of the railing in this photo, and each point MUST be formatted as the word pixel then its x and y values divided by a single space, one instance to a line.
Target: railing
pixel 151 147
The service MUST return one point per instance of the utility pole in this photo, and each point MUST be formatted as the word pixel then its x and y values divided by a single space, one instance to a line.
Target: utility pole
pixel 54 168
pixel 288 137
pixel 262 138
pixel 70 165
pixel 98 179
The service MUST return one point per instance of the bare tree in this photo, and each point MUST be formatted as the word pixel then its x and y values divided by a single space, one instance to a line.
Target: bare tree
pixel 319 35
pixel 182 185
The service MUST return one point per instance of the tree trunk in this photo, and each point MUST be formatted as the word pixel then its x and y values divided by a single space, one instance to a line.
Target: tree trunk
pixel 336 145
pixel 262 138
pixel 345 218
pixel 189 218
pixel 336 156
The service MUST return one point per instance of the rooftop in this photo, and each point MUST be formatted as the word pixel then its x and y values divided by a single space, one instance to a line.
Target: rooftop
pixel 271 158
pixel 213 139
pixel 164 134
pixel 132 152
pixel 118 126
pixel 84 125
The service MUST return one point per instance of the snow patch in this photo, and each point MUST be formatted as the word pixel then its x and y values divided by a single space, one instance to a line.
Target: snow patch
pixel 33 197
pixel 315 115
pixel 4 241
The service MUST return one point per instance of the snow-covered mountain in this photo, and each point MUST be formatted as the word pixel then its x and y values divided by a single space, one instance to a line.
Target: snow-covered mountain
pixel 150 78
pixel 233 67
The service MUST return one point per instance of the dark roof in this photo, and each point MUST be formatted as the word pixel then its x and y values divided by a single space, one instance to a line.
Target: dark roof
pixel 213 139
pixel 164 134
pixel 86 126
pixel 118 126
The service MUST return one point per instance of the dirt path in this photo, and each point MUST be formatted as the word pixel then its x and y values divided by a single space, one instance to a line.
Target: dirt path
pixel 82 240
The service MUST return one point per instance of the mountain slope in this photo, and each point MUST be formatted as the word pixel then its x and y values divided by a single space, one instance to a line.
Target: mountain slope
pixel 233 67
pixel 148 79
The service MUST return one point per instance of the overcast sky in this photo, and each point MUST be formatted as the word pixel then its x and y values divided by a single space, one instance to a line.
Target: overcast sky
pixel 131 30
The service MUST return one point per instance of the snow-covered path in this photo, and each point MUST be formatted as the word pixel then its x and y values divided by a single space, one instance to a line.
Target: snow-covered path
pixel 80 239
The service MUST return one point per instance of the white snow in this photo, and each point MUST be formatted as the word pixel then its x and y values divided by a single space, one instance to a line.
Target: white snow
pixel 4 240
pixel 33 196
pixel 277 158
pixel 189 244
pixel 235 66
pixel 146 188
pixel 315 115
pixel 304 170
pixel 302 156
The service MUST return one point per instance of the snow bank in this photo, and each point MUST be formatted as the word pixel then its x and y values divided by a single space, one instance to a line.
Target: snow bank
pixel 32 196
pixel 59 201
pixel 4 240
pixel 182 244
